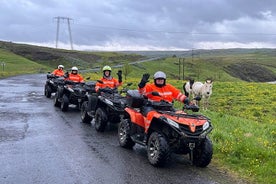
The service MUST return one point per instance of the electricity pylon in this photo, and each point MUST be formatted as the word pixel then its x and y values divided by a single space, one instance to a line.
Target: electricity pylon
pixel 69 29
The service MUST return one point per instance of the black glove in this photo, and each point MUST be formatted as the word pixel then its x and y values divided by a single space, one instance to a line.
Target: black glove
pixel 197 98
pixel 186 101
pixel 144 80
pixel 120 76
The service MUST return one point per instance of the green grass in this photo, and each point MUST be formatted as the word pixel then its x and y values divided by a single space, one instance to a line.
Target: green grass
pixel 244 136
pixel 245 128
pixel 244 146
pixel 17 65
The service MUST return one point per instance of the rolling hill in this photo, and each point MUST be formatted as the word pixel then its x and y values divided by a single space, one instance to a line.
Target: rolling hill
pixel 257 65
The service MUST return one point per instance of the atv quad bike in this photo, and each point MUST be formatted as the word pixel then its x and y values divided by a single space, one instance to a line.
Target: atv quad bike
pixel 72 93
pixel 166 131
pixel 51 84
pixel 110 104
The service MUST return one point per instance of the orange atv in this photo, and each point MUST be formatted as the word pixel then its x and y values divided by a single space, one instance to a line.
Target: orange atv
pixel 165 130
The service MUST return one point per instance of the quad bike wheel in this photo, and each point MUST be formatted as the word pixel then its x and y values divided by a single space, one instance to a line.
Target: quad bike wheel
pixel 203 154
pixel 100 120
pixel 47 91
pixel 65 103
pixel 85 118
pixel 124 134
pixel 158 149
pixel 56 102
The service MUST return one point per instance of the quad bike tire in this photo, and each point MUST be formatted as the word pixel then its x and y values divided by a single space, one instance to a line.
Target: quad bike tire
pixel 158 149
pixel 100 120
pixel 125 140
pixel 56 101
pixel 203 154
pixel 47 91
pixel 64 103
pixel 85 118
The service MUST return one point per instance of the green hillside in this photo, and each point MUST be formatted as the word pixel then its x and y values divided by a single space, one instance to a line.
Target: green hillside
pixel 12 64
pixel 51 58
pixel 252 65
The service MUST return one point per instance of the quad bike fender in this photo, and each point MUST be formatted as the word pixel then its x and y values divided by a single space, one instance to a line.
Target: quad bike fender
pixel 92 102
pixel 136 117
pixel 148 120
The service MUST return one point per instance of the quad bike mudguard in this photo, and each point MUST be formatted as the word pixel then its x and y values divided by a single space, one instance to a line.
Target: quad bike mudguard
pixel 136 117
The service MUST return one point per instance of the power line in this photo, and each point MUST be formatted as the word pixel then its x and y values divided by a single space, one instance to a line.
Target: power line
pixel 177 32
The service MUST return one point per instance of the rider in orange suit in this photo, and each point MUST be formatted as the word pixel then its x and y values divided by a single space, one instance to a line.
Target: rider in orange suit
pixel 74 76
pixel 167 92
pixel 59 71
pixel 108 80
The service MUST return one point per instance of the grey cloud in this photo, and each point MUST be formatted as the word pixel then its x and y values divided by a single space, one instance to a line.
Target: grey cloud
pixel 162 23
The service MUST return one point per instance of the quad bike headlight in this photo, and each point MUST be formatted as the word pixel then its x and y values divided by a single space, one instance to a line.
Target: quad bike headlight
pixel 173 123
pixel 206 125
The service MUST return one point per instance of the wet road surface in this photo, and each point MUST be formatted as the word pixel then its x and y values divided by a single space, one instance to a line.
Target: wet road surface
pixel 41 144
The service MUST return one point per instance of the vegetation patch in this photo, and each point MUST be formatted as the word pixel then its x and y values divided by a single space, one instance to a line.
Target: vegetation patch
pixel 250 72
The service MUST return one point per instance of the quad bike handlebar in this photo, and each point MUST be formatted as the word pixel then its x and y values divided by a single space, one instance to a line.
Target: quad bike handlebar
pixel 108 90
pixel 163 103
pixel 51 76
pixel 192 107
pixel 73 83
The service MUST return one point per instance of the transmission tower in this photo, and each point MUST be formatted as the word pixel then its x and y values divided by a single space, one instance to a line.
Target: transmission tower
pixel 66 19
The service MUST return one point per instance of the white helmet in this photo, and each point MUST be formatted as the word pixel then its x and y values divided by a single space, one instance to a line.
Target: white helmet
pixel 159 74
pixel 74 68
pixel 60 66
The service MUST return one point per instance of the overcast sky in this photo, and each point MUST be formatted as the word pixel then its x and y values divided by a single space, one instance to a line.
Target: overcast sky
pixel 141 24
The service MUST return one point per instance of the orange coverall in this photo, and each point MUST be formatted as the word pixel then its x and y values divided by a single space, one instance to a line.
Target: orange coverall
pixel 167 92
pixel 110 83
pixel 75 78
pixel 58 72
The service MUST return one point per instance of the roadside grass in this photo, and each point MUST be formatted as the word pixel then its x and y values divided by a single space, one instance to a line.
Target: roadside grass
pixel 245 128
pixel 17 65
pixel 244 135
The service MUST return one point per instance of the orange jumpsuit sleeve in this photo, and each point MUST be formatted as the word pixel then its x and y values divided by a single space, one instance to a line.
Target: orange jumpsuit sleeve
pixel 55 71
pixel 176 94
pixel 81 79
